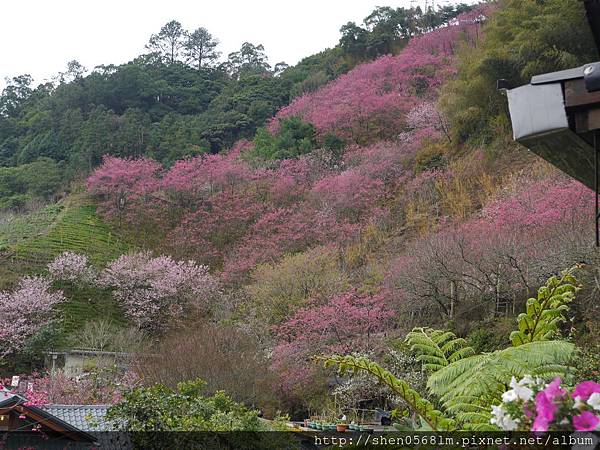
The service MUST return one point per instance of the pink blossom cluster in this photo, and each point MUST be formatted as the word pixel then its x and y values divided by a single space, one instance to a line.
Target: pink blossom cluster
pixel 124 184
pixel 531 405
pixel 72 267
pixel 36 397
pixel 372 99
pixel 156 290
pixel 224 213
pixel 503 252
pixel 25 311
pixel 91 388
pixel 348 322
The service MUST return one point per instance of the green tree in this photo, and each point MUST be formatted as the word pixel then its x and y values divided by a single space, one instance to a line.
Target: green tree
pixel 294 138
pixel 200 48
pixel 158 409
pixel 169 41
pixel 354 39
pixel 250 59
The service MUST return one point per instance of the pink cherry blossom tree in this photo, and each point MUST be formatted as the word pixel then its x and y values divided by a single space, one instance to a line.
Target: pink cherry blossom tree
pixel 72 267
pixel 154 291
pixel 349 322
pixel 125 186
pixel 25 311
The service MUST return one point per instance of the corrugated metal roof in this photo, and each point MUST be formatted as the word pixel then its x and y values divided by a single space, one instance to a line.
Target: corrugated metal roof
pixel 82 417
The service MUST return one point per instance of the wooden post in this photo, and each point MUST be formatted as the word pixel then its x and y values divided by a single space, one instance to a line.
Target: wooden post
pixel 452 297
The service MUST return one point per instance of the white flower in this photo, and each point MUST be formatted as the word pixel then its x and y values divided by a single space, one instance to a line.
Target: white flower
pixel 498 415
pixel 509 396
pixel 578 403
pixel 594 401
pixel 519 390
pixel 503 420
pixel 510 424
pixel 528 380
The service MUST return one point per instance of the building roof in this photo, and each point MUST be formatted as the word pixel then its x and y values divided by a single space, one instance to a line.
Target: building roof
pixel 561 75
pixel 6 397
pixel 82 417
pixel 9 401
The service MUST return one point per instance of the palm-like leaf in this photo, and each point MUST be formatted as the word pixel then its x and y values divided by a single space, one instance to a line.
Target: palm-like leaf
pixel 436 349
pixel 472 384
pixel 434 419
pixel 544 313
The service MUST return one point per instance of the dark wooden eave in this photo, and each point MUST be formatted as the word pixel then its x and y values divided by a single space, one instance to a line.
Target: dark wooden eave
pixel 18 405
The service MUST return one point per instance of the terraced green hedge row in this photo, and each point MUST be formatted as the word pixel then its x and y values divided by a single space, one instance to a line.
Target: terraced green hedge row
pixel 15 228
pixel 29 242
pixel 78 229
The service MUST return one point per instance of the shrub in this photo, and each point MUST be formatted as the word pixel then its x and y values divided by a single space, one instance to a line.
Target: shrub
pixel 226 357
pixel 293 138
pixel 279 289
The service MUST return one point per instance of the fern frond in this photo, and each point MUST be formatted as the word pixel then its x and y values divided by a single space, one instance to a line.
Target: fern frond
pixel 477 380
pixel 421 406
pixel 436 349
pixel 543 314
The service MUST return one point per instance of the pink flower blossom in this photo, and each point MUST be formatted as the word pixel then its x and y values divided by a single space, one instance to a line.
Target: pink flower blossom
pixel 155 290
pixel 586 421
pixel 585 389
pixel 72 267
pixel 545 410
pixel 553 390
pixel 25 311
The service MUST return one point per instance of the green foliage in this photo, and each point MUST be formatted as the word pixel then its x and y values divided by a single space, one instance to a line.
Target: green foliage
pixel 491 334
pixel 294 138
pixel 78 229
pixel 316 70
pixel 158 409
pixel 469 386
pixel 36 180
pixel 280 289
pixel 435 419
pixel 437 349
pixel 544 314
pixel 15 227
pixel 523 38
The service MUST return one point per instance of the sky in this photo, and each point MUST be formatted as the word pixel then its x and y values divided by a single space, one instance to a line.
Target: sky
pixel 39 37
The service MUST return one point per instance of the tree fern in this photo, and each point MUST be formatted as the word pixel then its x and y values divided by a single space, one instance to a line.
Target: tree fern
pixel 544 313
pixel 435 419
pixel 470 385
pixel 436 349
pixel 467 384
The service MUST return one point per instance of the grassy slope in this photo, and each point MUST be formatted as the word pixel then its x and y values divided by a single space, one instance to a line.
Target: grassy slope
pixel 28 243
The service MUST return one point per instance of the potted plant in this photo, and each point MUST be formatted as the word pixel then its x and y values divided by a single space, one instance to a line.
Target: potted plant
pixel 341 427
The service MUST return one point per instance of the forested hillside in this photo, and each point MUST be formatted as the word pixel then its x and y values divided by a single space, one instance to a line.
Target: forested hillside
pixel 240 220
